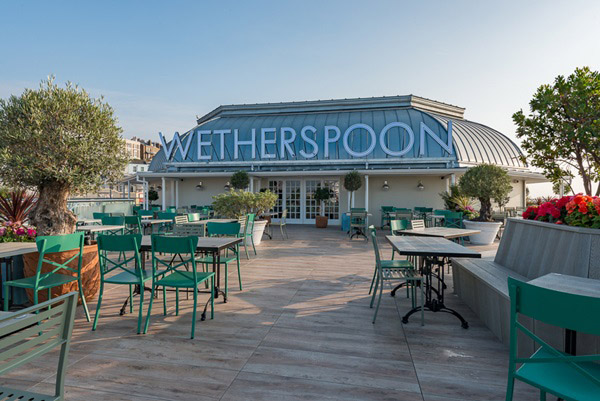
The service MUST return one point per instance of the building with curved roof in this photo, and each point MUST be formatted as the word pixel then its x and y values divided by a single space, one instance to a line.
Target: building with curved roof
pixel 407 148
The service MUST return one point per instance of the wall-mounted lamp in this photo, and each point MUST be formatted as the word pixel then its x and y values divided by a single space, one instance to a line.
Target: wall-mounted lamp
pixel 159 188
pixel 420 186
pixel 199 187
pixel 385 186
pixel 227 186
pixel 516 181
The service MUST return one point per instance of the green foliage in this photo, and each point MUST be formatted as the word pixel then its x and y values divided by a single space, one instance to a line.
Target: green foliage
pixel 152 195
pixel 240 180
pixel 323 194
pixel 15 206
pixel 59 135
pixel 486 182
pixel 352 181
pixel 237 203
pixel 456 201
pixel 562 134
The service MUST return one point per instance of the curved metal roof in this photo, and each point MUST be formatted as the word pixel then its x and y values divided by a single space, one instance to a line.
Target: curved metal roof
pixel 473 143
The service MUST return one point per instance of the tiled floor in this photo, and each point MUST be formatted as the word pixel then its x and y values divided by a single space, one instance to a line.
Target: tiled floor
pixel 300 330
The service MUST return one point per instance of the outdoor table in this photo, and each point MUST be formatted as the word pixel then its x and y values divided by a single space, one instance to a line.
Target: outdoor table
pixel 97 228
pixel 441 232
pixel 88 222
pixel 433 253
pixel 212 245
pixel 435 217
pixel 7 251
pixel 151 222
pixel 204 222
pixel 570 285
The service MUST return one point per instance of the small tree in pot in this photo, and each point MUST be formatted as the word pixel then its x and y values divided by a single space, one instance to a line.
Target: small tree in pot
pixel 240 180
pixel 322 195
pixel 485 182
pixel 352 182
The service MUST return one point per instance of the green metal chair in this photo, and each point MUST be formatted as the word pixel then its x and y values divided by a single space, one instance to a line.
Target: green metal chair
pixel 177 275
pixel 133 225
pixel 441 212
pixel 215 229
pixel 114 221
pixel 394 270
pixel 358 223
pixel 100 215
pixel 145 213
pixel 117 214
pixel 29 334
pixel 121 272
pixel 402 213
pixel 572 378
pixel 155 208
pixel 193 217
pixel 135 208
pixel 386 217
pixel 166 227
pixel 453 219
pixel 46 281
pixel 171 209
pixel 395 227
pixel 248 233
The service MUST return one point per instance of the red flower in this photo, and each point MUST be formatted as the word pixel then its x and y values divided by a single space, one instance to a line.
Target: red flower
pixel 583 208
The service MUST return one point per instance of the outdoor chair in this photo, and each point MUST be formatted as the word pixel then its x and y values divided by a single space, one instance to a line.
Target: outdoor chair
pixel 453 220
pixel 417 224
pixel 182 219
pixel 178 275
pixel 193 217
pixel 117 214
pixel 133 225
pixel 166 227
pixel 358 224
pixel 100 215
pixel 440 212
pixel 551 371
pixel 126 272
pixel 148 214
pixel 402 214
pixel 394 270
pixel 114 221
pixel 215 229
pixel 386 217
pixel 47 245
pixel 186 230
pixel 422 212
pixel 395 227
pixel 171 209
pixel 136 208
pixel 248 233
pixel 155 208
pixel 29 334
pixel 282 224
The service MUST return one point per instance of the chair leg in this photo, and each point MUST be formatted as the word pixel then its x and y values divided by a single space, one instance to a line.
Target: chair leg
pixel 6 294
pixel 130 299
pixel 226 279
pixel 150 309
pixel 246 248
pixel 97 314
pixel 373 280
pixel 177 301
pixel 375 290
pixel 378 302
pixel 85 308
pixel 212 297
pixel 253 247
pixel 140 314
pixel 510 388
pixel 542 395
pixel 164 301
pixel 422 304
pixel 237 259
pixel 194 311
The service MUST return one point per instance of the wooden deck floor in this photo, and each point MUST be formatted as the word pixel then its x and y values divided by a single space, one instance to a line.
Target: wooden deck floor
pixel 300 330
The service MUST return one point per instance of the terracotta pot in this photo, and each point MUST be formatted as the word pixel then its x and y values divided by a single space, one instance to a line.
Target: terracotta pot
pixel 321 221
pixel 90 272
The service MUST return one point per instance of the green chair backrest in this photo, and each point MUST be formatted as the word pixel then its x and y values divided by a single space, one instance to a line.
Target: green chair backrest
pixel 117 214
pixel 58 243
pixel 385 209
pixel 113 220
pixel 30 333
pixel 223 229
pixel 358 217
pixel 166 215
pixel 373 234
pixel 570 311
pixel 136 208
pixel 184 247
pixel 193 217
pixel 358 209
pixel 171 209
pixel 133 225
pixel 155 208
pixel 99 215
pixel 145 213
pixel 399 225
pixel 193 206
pixel 453 219
pixel 441 212
pixel 124 245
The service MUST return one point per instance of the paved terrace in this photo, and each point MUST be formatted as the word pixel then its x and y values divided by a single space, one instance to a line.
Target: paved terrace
pixel 300 330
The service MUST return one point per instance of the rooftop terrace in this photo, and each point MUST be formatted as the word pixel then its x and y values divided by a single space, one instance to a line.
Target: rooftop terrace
pixel 301 329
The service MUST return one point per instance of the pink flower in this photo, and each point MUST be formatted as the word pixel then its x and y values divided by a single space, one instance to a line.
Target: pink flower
pixel 31 232
pixel 21 231
pixel 2 231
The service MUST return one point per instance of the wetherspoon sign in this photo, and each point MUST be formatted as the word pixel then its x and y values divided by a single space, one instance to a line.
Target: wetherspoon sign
pixel 281 141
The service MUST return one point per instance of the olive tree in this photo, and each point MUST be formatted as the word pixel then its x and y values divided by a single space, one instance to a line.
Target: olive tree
pixel 562 134
pixel 486 182
pixel 60 141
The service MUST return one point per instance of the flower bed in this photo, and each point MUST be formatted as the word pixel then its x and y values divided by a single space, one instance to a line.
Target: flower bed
pixel 14 232
pixel 578 210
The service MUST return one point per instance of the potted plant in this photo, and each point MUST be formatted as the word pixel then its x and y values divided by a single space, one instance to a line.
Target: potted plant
pixel 485 182
pixel 59 141
pixel 240 180
pixel 322 195
pixel 456 201
pixel 263 202
pixel 352 182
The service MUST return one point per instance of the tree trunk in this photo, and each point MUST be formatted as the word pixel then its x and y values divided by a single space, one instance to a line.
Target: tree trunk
pixel 485 212
pixel 51 216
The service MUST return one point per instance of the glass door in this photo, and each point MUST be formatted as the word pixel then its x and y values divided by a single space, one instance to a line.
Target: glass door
pixel 311 206
pixel 293 200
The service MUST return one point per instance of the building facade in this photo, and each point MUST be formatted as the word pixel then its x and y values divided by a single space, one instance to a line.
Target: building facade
pixel 407 149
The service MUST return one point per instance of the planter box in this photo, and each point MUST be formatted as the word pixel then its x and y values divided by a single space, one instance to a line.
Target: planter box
pixel 259 229
pixel 90 272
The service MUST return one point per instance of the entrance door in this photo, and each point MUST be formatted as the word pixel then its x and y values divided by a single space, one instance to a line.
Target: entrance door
pixel 312 207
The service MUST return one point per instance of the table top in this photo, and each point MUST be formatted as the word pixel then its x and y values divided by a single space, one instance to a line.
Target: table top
pixel 207 244
pixel 348 213
pixel 430 246
pixel 570 284
pixel 442 232
pixel 156 221
pixel 96 228
pixel 202 222
pixel 9 249
pixel 89 221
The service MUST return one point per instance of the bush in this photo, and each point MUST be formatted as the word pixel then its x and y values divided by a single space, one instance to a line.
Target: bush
pixel 486 182
pixel 237 203
pixel 352 181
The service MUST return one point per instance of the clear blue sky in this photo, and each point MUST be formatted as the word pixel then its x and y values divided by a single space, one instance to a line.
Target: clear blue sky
pixel 159 64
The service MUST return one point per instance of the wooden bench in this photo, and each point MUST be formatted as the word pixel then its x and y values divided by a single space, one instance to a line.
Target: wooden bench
pixel 527 250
